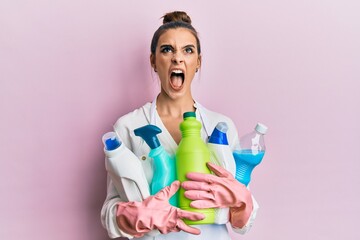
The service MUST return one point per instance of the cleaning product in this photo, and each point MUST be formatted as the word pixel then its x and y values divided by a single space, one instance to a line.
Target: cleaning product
pixel 250 154
pixel 191 156
pixel 164 164
pixel 125 169
pixel 221 155
pixel 220 152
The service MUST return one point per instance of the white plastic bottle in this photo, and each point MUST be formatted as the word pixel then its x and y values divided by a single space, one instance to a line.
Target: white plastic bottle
pixel 125 169
pixel 221 155
pixel 250 154
pixel 220 152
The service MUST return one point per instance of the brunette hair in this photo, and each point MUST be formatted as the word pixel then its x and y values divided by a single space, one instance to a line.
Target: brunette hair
pixel 173 20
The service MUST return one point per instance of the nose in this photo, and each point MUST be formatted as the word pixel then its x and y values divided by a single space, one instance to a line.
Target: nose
pixel 177 57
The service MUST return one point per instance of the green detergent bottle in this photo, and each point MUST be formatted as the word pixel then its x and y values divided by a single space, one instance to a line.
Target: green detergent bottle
pixel 192 156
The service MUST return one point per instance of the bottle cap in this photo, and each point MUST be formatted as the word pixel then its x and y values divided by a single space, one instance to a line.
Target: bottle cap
pixel 111 141
pixel 222 126
pixel 189 114
pixel 148 133
pixel 261 128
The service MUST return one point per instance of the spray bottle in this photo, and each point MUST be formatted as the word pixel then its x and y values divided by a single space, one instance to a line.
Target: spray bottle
pixel 192 156
pixel 221 155
pixel 250 154
pixel 164 164
pixel 125 169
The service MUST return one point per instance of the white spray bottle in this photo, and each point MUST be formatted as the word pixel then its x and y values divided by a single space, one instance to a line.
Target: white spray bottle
pixel 125 169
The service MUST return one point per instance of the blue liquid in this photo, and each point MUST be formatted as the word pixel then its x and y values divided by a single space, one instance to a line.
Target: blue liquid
pixel 246 161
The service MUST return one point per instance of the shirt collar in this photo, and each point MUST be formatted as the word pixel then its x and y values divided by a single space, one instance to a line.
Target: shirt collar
pixel 201 111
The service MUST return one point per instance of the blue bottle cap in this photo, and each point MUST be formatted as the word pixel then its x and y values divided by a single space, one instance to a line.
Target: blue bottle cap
pixel 148 133
pixel 111 141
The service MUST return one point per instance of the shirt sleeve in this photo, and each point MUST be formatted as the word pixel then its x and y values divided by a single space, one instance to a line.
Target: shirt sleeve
pixel 109 209
pixel 251 220
pixel 108 212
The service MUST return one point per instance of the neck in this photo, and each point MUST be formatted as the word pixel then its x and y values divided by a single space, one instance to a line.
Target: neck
pixel 174 107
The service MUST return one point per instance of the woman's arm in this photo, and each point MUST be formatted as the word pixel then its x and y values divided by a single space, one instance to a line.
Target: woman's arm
pixel 108 212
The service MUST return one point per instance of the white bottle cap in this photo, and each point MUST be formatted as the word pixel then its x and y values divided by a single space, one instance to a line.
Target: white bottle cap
pixel 222 127
pixel 261 128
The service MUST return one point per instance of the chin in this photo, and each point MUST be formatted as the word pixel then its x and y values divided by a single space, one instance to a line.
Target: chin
pixel 175 95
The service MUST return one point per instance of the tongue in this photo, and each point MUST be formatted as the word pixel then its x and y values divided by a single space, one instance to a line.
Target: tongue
pixel 176 81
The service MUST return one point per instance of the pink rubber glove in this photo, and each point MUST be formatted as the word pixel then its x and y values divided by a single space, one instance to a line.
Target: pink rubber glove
pixel 220 191
pixel 155 212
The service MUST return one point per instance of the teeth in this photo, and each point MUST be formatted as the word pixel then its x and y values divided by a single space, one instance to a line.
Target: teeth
pixel 177 71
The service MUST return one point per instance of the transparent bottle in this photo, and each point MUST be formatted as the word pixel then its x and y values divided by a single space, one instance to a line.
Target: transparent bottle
pixel 250 153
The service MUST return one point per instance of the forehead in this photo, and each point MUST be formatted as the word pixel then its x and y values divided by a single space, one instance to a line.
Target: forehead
pixel 177 36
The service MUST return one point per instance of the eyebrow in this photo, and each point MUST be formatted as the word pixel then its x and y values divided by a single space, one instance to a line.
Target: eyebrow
pixel 190 45
pixel 170 46
pixel 166 45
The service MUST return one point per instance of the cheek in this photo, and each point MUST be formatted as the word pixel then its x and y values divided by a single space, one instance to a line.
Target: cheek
pixel 161 60
pixel 194 63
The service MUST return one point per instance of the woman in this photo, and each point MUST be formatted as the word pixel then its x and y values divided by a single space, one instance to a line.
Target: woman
pixel 176 57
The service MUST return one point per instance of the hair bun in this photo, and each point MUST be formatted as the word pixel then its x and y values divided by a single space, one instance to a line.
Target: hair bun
pixel 176 16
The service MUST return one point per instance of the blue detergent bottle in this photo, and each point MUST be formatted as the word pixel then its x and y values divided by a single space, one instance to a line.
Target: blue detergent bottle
pixel 164 164
pixel 250 154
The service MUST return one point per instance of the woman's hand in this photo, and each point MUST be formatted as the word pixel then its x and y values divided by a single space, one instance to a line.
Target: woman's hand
pixel 155 212
pixel 219 191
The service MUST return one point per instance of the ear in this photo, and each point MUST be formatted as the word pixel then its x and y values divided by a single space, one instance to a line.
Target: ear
pixel 152 61
pixel 198 62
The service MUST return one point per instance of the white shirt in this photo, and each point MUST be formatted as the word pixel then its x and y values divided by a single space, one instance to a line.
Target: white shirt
pixel 145 115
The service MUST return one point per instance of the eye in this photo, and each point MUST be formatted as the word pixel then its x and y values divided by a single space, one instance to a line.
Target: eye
pixel 166 49
pixel 189 50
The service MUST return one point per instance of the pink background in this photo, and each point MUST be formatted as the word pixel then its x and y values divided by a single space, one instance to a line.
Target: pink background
pixel 69 69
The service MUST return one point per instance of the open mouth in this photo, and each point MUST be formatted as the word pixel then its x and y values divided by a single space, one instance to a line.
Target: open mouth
pixel 177 79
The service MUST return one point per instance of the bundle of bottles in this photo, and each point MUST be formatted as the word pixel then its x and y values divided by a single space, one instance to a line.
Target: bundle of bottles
pixel 127 174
